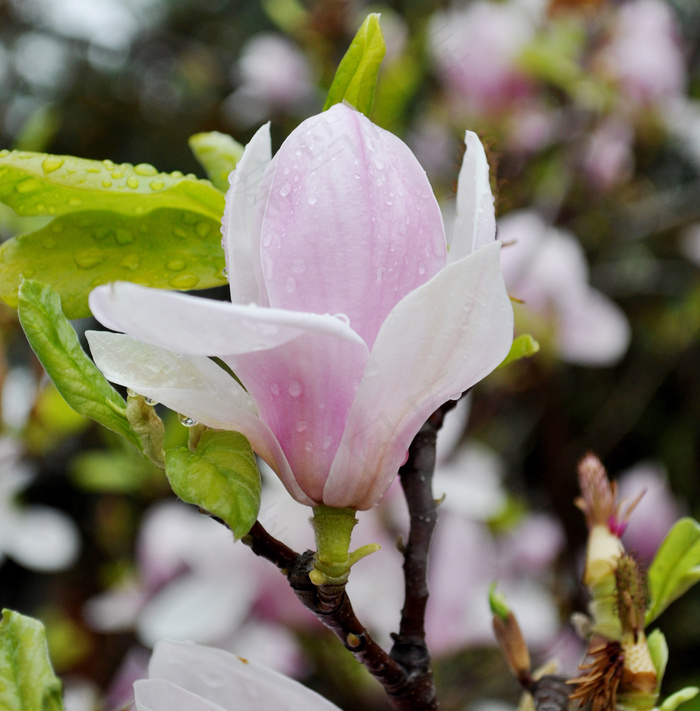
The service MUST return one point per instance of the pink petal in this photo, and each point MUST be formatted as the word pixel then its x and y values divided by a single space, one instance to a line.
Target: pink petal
pixel 193 386
pixel 230 681
pixel 304 390
pixel 197 326
pixel 159 695
pixel 240 225
pixel 351 224
pixel 475 220
pixel 438 341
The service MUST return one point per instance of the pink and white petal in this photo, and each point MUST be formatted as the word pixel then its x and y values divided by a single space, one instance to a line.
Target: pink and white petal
pixel 438 342
pixel 193 386
pixel 304 390
pixel 160 695
pixel 196 326
pixel 241 240
pixel 475 219
pixel 593 331
pixel 223 678
pixel 351 224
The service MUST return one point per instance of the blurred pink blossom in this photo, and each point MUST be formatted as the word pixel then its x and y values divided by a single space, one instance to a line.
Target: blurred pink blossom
pixel 546 268
pixel 476 52
pixel 644 54
pixel 608 158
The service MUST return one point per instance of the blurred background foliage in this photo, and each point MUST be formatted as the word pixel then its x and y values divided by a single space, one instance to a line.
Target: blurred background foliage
pixel 590 111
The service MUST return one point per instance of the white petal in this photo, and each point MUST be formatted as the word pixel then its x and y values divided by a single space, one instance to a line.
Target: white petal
pixel 159 695
pixel 43 539
pixel 198 326
pixel 193 386
pixel 438 341
pixel 241 240
pixel 231 681
pixel 475 221
pixel 199 608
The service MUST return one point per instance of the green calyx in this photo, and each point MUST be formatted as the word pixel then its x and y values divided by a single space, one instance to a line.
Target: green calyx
pixel 333 560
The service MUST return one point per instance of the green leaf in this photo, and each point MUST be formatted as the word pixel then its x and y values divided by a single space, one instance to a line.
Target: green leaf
pixel 44 184
pixel 218 153
pixel 680 697
pixel 75 376
pixel 658 649
pixel 523 346
pixel 27 681
pixel 167 249
pixel 221 477
pixel 676 566
pixel 356 76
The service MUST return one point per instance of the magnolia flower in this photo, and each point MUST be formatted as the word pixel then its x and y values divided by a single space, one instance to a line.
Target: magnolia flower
pixel 349 324
pixel 187 677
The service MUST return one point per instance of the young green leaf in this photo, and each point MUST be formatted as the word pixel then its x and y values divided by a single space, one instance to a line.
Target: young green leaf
pixel 44 184
pixel 680 697
pixel 218 153
pixel 676 566
pixel 658 649
pixel 221 477
pixel 27 681
pixel 524 346
pixel 75 376
pixel 356 76
pixel 167 249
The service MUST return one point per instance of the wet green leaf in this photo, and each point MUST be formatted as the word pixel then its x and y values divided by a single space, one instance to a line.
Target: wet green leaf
pixel 356 76
pixel 676 566
pixel 168 249
pixel 27 681
pixel 44 184
pixel 75 376
pixel 221 477
pixel 218 153
pixel 523 346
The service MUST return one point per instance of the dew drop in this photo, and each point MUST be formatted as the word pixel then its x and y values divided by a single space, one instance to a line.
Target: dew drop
pixel 327 442
pixel 123 236
pixel 157 184
pixel 381 273
pixel 184 281
pixel 202 229
pixel 187 421
pixel 51 163
pixel 131 262
pixel 106 183
pixel 343 317
pixel 275 389
pixel 132 182
pixel 290 285
pixel 301 426
pixel 144 169
pixel 224 271
pixel 90 258
pixel 312 199
pixel 421 268
pixel 176 174
pixel 295 388
pixel 150 401
pixel 309 447
pixel 28 185
pixel 108 164
pixel 267 239
pixel 298 266
pixel 131 393
pixel 176 264
pixel 117 174
pixel 285 190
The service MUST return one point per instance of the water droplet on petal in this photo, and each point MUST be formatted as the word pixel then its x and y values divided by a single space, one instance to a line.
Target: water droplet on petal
pixel 285 190
pixel 202 229
pixel 312 199
pixel 117 174
pixel 295 388
pixel 290 285
pixel 275 389
pixel 176 264
pixel 123 236
pixel 131 393
pixel 224 271
pixel 309 447
pixel 301 426
pixel 89 258
pixel 421 268
pixel 51 163
pixel 298 266
pixel 187 421
pixel 150 401
pixel 106 183
pixel 343 317
pixel 132 182
pixel 157 184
